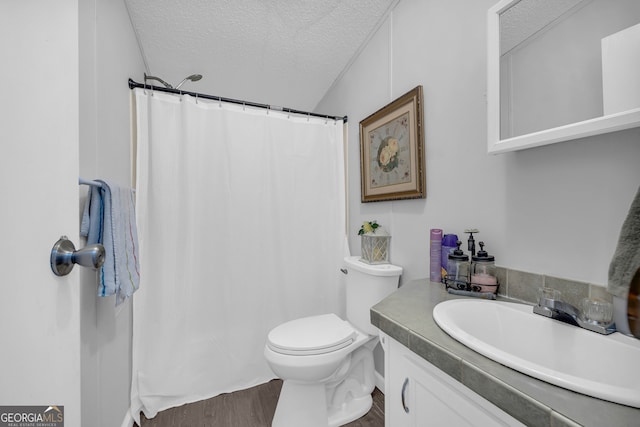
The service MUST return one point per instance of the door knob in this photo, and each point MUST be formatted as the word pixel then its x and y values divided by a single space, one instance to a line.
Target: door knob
pixel 64 256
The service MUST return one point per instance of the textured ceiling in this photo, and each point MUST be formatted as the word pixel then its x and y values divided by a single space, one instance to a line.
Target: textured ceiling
pixel 527 17
pixel 279 52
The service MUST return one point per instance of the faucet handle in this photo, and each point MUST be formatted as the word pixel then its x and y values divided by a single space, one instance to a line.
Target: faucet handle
pixel 597 310
pixel 548 296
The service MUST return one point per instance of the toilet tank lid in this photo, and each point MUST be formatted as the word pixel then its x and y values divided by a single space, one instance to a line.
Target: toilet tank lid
pixel 372 269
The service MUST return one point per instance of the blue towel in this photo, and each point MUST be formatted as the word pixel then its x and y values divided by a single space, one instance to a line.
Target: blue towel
pixel 109 219
pixel 91 226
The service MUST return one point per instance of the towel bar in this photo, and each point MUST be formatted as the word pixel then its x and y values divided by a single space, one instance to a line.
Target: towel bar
pixel 82 181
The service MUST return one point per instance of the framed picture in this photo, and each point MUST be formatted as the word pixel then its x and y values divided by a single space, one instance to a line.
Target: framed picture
pixel 392 151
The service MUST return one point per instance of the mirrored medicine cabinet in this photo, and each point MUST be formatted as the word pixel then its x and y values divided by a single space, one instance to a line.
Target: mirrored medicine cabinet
pixel 561 70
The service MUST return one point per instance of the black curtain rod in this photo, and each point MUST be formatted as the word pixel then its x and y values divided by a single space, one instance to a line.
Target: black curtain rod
pixel 133 84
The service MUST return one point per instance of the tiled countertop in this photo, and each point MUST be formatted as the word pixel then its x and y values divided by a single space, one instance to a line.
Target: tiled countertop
pixel 406 316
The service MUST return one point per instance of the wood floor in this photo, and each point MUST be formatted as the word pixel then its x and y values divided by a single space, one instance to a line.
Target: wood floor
pixel 253 407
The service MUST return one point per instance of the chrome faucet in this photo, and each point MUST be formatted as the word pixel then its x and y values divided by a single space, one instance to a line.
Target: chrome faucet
pixel 550 305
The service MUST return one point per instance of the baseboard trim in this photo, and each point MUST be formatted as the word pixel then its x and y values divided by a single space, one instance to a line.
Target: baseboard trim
pixel 128 420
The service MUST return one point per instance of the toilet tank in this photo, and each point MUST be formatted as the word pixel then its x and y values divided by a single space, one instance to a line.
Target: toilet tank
pixel 367 285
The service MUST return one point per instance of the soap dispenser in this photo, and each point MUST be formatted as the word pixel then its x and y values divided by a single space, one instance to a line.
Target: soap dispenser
pixel 457 269
pixel 483 272
pixel 471 242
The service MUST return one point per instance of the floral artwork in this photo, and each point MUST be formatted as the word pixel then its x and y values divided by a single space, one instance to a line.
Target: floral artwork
pixel 392 150
pixel 391 159
pixel 388 154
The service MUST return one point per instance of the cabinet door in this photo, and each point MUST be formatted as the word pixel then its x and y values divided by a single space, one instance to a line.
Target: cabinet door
pixel 419 394
pixel 397 381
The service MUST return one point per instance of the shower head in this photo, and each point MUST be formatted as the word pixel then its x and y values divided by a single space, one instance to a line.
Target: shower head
pixel 192 77
pixel 146 77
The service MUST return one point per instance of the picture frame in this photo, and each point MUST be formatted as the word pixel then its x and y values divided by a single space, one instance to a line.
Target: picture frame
pixel 392 163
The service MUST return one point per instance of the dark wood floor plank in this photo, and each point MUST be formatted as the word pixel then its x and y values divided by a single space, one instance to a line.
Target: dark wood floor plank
pixel 253 407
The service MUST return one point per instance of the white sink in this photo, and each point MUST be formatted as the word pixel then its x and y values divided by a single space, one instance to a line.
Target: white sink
pixel 602 366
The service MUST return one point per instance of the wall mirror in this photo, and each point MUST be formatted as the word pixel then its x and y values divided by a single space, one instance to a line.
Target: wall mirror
pixel 561 70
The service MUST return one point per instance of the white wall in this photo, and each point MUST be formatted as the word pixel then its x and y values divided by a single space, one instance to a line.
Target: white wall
pixel 555 210
pixel 109 55
pixel 39 312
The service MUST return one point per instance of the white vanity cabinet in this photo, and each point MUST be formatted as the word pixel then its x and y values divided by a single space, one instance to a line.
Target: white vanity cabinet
pixel 419 394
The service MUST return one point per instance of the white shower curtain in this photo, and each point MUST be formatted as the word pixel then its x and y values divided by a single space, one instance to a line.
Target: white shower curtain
pixel 241 224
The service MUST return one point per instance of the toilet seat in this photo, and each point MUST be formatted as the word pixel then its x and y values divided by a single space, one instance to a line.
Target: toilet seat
pixel 311 335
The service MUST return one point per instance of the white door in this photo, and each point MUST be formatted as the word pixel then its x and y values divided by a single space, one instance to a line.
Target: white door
pixel 39 312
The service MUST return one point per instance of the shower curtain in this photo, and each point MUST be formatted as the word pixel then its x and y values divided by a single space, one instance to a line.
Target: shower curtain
pixel 241 224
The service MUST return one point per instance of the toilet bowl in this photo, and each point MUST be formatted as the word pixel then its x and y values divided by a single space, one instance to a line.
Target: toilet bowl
pixel 325 362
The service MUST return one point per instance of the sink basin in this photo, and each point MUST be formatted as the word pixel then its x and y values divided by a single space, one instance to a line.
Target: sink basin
pixel 602 366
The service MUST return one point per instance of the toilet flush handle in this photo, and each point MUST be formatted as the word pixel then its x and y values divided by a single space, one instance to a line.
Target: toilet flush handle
pixel 344 270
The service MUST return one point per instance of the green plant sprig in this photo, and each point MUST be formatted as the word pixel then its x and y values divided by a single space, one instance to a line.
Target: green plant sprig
pixel 368 227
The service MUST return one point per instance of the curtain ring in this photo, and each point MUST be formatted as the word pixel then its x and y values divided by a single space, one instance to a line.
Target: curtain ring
pixel 243 105
pixel 196 98
pixel 308 116
pixel 268 109
pixel 220 102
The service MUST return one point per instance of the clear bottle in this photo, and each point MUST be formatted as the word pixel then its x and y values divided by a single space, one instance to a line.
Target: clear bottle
pixel 448 246
pixel 457 269
pixel 483 272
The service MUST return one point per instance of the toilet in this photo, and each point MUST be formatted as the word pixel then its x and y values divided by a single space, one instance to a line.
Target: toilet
pixel 325 362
